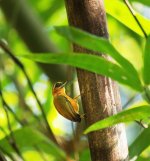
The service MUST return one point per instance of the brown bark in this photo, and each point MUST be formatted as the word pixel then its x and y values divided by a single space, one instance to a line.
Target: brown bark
pixel 100 96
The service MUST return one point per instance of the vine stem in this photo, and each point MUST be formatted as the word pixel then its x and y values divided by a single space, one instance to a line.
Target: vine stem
pixel 21 66
pixel 136 19
pixel 12 139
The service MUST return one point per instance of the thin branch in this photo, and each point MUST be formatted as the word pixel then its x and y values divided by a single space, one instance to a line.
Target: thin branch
pixel 8 154
pixel 136 19
pixel 129 101
pixel 22 124
pixel 136 121
pixel 2 157
pixel 9 108
pixel 141 124
pixel 75 142
pixel 21 96
pixel 12 140
pixel 12 137
pixel 3 131
pixel 40 152
pixel 147 93
pixel 20 65
pixel 2 149
pixel 13 113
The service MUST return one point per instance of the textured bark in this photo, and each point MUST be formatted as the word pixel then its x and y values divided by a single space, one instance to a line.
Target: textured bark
pixel 100 96
pixel 28 26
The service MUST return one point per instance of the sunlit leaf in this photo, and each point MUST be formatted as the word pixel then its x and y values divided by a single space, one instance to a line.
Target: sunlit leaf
pixel 94 43
pixel 28 137
pixel 140 143
pixel 85 61
pixel 146 70
pixel 142 158
pixel 99 44
pixel 120 12
pixel 52 9
pixel 137 113
pixel 145 2
pixel 85 155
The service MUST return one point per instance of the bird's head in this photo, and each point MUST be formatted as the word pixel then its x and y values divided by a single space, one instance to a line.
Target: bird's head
pixel 59 87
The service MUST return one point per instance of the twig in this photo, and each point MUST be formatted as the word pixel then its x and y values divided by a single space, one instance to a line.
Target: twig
pixel 40 152
pixel 76 153
pixel 134 15
pixel 22 99
pixel 12 112
pixel 129 101
pixel 22 124
pixel 2 149
pixel 12 140
pixel 74 128
pixel 12 137
pixel 2 157
pixel 141 124
pixel 20 65
pixel 146 90
pixel 9 108
pixel 8 154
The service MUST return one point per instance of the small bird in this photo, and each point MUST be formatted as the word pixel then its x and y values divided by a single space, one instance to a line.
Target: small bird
pixel 66 106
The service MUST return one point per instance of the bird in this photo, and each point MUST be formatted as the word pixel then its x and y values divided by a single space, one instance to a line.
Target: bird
pixel 65 105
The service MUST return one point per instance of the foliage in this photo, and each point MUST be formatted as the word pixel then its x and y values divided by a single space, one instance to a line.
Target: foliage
pixel 130 63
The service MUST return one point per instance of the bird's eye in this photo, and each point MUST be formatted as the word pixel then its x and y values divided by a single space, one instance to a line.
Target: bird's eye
pixel 58 84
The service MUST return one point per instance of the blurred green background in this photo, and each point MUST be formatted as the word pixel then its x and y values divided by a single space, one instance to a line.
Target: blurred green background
pixel 31 139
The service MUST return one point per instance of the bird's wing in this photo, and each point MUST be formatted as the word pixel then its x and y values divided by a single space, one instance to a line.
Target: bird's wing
pixel 65 108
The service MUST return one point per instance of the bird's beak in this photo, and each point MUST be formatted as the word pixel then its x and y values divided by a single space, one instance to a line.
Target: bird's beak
pixel 63 85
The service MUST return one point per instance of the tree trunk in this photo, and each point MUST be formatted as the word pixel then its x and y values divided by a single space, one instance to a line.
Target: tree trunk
pixel 100 96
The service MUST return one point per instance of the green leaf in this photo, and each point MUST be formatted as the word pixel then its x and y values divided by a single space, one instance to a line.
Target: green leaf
pixel 52 9
pixel 85 155
pixel 137 113
pixel 145 2
pixel 94 43
pixel 140 143
pixel 28 137
pixel 143 158
pixel 85 61
pixel 99 44
pixel 120 12
pixel 146 70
